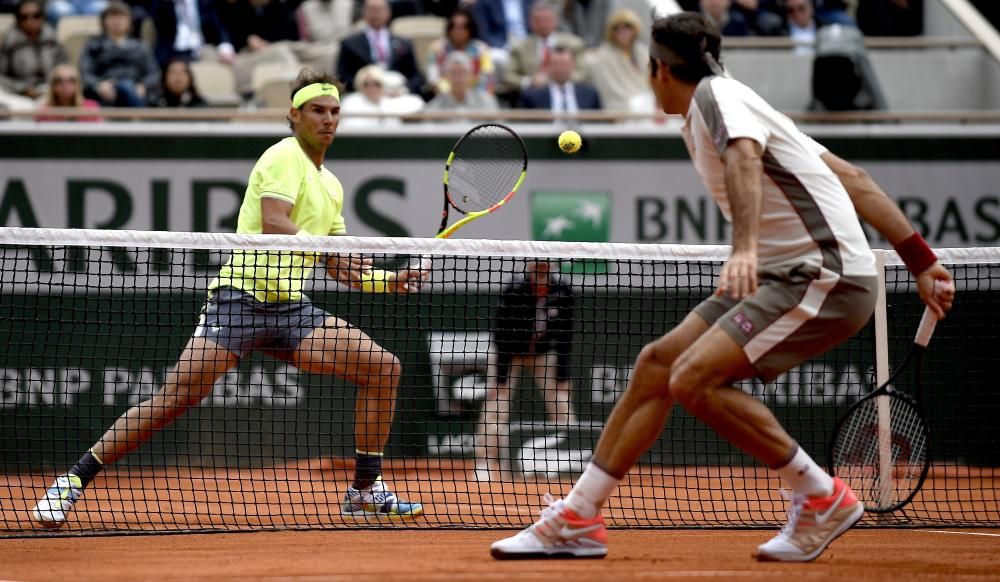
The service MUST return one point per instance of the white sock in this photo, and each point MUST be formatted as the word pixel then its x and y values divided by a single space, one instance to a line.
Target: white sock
pixel 591 491
pixel 803 475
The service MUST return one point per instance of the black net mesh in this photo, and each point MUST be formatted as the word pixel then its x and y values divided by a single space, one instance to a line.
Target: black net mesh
pixel 91 330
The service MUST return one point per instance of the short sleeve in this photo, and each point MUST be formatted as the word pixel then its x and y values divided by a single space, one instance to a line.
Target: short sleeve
pixel 276 175
pixel 338 226
pixel 727 116
pixel 814 146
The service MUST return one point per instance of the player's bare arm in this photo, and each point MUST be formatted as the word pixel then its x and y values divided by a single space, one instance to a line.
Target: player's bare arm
pixel 934 284
pixel 275 216
pixel 743 186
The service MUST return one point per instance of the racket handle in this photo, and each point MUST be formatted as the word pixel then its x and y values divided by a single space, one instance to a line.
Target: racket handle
pixel 927 324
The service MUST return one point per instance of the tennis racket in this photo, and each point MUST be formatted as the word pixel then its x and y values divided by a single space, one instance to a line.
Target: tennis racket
pixel 881 446
pixel 483 171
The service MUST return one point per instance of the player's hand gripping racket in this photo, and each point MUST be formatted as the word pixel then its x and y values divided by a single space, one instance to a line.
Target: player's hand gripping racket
pixel 881 446
pixel 483 171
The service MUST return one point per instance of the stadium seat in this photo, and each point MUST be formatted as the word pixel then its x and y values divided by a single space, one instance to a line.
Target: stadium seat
pixel 843 78
pixel 271 83
pixel 73 31
pixel 422 31
pixel 215 82
pixel 6 23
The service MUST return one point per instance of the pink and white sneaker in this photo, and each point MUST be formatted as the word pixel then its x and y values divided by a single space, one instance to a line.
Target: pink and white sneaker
pixel 560 533
pixel 813 522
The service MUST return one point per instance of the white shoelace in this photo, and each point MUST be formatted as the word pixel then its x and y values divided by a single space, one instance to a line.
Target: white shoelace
pixel 796 502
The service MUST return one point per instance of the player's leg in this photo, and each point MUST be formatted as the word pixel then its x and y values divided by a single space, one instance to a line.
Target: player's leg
pixel 573 527
pixel 493 430
pixel 765 335
pixel 339 349
pixel 201 363
pixel 553 379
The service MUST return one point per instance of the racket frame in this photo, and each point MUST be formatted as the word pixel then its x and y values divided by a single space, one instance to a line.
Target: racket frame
pixel 886 390
pixel 445 231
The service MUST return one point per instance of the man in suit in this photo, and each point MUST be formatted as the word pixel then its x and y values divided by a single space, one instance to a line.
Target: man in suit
pixel 502 23
pixel 528 66
pixel 561 94
pixel 375 45
pixel 184 27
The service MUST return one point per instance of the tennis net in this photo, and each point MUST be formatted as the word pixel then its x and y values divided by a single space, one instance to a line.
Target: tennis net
pixel 91 321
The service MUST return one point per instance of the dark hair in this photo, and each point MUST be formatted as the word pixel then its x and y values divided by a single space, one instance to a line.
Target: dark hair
pixel 23 3
pixel 168 99
pixel 307 76
pixel 462 11
pixel 689 35
pixel 116 7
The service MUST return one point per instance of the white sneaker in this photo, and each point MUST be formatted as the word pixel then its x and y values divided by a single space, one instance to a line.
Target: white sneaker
pixel 813 523
pixel 376 502
pixel 52 510
pixel 560 533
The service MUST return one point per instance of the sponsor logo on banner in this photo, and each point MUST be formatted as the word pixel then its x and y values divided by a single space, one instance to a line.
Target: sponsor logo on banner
pixel 561 215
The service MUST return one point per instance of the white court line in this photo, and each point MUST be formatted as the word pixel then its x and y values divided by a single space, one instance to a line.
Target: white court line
pixel 961 533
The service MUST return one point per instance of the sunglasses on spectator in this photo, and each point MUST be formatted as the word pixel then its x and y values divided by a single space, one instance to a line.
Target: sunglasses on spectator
pixel 29 16
pixel 371 84
pixel 59 80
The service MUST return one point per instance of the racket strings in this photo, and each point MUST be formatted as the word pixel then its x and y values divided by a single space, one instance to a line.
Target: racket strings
pixel 486 167
pixel 858 453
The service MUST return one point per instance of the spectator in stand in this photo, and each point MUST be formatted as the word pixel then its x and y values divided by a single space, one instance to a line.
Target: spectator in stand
pixel 370 97
pixel 375 45
pixel 561 94
pixel 460 36
pixel 586 19
pixel 117 70
pixel 833 12
pixel 56 9
pixel 618 66
pixel 185 27
pixel 892 17
pixel 65 90
pixel 721 13
pixel 801 25
pixel 462 94
pixel 262 31
pixel 177 88
pixel 28 53
pixel 322 23
pixel 763 16
pixel 529 59
pixel 502 23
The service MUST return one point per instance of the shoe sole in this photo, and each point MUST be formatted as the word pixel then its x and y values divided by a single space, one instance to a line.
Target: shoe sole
pixel 371 516
pixel 551 554
pixel 46 523
pixel 848 524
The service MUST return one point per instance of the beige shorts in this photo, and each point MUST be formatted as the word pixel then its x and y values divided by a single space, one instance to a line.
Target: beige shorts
pixel 799 311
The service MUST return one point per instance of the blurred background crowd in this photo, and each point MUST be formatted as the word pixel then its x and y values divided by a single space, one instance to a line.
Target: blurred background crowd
pixel 393 56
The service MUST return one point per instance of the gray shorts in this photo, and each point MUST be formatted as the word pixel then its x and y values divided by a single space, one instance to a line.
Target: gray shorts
pixel 238 322
pixel 797 313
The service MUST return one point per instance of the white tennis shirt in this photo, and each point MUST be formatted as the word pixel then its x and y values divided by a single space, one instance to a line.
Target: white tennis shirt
pixel 806 214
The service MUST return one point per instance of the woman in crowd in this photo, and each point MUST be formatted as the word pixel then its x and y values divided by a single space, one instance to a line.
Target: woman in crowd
pixel 177 88
pixel 618 66
pixel 460 35
pixel 65 91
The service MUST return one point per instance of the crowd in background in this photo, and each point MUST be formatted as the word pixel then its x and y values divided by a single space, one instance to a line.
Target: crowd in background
pixel 557 55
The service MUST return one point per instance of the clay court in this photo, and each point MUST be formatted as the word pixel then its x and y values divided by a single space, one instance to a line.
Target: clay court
pixel 882 554
pixel 295 497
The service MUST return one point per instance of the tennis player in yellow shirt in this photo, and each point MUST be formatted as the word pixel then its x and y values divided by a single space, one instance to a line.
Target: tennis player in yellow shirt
pixel 256 303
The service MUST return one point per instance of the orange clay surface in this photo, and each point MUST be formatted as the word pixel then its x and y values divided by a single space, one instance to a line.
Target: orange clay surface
pixel 879 554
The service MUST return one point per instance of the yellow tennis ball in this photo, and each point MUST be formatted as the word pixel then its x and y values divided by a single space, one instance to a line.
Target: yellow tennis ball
pixel 570 141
